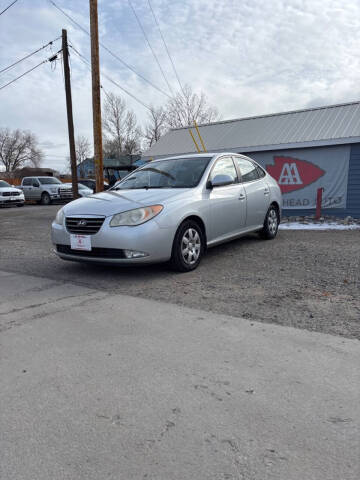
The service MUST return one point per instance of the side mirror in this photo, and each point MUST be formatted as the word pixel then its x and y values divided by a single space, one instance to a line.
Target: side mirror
pixel 220 181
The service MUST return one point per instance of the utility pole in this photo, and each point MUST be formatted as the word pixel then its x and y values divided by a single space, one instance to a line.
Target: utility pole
pixel 65 52
pixel 96 101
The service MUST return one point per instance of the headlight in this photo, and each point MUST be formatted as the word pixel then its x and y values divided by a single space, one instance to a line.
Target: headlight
pixel 53 190
pixel 59 219
pixel 136 216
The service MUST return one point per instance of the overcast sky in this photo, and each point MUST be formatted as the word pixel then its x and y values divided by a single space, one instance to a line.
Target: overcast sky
pixel 249 56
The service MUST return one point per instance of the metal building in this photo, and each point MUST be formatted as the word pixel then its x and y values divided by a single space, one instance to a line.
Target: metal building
pixel 303 149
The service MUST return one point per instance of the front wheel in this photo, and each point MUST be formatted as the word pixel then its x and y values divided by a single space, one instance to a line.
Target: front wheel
pixel 45 199
pixel 271 224
pixel 188 247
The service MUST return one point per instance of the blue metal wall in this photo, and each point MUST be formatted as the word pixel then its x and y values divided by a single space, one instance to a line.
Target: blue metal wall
pixel 353 191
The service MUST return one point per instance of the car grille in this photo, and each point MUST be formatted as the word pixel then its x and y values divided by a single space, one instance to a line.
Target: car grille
pixel 65 193
pixel 10 194
pixel 94 252
pixel 84 226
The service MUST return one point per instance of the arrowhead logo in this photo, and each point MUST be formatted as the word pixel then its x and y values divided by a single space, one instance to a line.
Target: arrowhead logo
pixel 293 174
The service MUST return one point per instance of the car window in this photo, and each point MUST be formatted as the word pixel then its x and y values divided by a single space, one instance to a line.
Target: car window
pixel 3 184
pixel 27 181
pixel 168 173
pixel 247 169
pixel 224 166
pixel 260 171
pixel 49 181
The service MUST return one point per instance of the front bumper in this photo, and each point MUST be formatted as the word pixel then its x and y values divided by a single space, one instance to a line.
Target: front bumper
pixel 62 197
pixel 11 201
pixel 109 242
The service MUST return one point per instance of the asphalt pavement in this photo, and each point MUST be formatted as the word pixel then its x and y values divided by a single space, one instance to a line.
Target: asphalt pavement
pixel 304 279
pixel 98 385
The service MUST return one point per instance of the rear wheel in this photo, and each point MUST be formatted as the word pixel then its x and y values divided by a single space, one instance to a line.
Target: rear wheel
pixel 271 224
pixel 45 199
pixel 188 247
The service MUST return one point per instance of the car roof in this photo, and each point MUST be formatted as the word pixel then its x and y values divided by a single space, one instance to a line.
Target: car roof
pixel 195 155
pixel 40 176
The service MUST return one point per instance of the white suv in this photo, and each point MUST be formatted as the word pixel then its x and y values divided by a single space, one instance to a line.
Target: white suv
pixel 10 195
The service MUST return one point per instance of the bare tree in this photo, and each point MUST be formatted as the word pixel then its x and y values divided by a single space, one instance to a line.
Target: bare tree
pixel 83 150
pixel 132 134
pixel 19 148
pixel 121 129
pixel 155 127
pixel 184 108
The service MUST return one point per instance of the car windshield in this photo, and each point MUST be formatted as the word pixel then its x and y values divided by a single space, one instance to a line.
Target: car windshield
pixel 3 184
pixel 49 181
pixel 171 173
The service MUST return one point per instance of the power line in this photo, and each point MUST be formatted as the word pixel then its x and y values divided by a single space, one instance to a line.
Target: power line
pixel 166 48
pixel 87 63
pixel 151 49
pixel 110 51
pixel 126 91
pixel 28 71
pixel 7 8
pixel 28 56
pixel 25 73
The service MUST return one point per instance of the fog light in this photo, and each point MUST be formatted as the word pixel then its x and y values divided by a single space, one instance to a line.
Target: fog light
pixel 134 254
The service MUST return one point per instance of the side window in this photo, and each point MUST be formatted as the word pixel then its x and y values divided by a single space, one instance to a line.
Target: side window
pixel 247 169
pixel 224 166
pixel 27 182
pixel 260 171
pixel 35 182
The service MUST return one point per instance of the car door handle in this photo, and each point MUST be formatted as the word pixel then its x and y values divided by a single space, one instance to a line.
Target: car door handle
pixel 241 196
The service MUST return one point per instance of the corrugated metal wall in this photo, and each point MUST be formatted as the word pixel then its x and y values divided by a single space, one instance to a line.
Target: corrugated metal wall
pixel 353 194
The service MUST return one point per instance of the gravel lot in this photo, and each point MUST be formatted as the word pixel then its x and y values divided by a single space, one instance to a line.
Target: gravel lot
pixel 303 279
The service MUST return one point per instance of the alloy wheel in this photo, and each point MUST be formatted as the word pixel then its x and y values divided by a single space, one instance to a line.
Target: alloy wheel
pixel 190 246
pixel 272 221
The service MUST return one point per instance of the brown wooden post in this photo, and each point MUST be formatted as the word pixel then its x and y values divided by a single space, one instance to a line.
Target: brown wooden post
pixel 96 99
pixel 65 52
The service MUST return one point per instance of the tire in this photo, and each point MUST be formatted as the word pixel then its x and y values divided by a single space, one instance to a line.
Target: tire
pixel 271 224
pixel 45 199
pixel 189 233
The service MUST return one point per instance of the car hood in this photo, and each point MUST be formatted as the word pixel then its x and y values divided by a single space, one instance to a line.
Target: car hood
pixel 111 202
pixel 10 189
pixel 69 186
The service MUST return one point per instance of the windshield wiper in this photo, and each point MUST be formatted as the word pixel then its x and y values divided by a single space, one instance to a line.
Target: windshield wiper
pixel 146 187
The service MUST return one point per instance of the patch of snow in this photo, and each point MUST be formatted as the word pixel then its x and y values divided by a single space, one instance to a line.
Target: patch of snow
pixel 317 226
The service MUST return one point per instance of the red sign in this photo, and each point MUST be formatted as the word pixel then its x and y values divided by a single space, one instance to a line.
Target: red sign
pixel 293 174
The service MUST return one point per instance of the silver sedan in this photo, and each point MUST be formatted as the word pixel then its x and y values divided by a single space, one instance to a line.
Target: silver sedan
pixel 170 209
